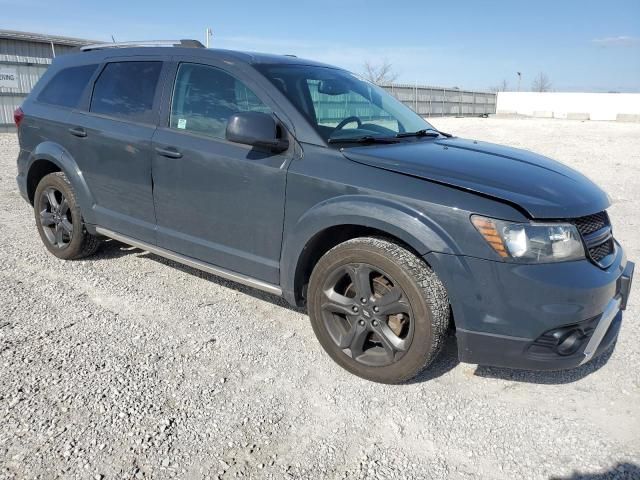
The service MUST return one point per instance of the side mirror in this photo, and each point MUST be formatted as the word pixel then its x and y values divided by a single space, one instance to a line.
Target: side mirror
pixel 257 129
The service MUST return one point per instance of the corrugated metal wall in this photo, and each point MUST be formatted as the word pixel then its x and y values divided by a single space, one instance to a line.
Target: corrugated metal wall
pixel 30 60
pixel 28 76
pixel 21 51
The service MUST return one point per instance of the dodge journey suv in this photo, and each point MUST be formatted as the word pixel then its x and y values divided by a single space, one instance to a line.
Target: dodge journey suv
pixel 305 181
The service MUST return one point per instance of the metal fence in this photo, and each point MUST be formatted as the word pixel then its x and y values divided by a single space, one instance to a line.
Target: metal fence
pixel 441 102
pixel 426 101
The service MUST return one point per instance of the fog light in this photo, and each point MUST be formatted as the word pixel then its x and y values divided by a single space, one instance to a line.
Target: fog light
pixel 570 342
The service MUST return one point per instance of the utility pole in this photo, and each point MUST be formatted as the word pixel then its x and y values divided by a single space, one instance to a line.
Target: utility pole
pixel 207 36
pixel 519 78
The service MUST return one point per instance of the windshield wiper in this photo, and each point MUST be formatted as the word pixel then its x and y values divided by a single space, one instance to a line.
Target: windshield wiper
pixel 365 139
pixel 425 132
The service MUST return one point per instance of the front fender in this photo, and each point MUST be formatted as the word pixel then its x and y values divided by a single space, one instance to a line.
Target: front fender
pixel 58 155
pixel 413 227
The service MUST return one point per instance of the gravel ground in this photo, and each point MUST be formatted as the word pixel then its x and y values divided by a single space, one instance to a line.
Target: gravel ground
pixel 126 365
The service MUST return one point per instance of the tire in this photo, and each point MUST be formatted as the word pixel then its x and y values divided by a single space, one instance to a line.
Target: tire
pixel 59 219
pixel 378 310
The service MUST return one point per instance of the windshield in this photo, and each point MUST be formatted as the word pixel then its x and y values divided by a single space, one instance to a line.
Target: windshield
pixel 340 105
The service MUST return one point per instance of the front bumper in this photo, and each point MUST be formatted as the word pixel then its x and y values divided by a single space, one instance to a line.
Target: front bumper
pixel 534 317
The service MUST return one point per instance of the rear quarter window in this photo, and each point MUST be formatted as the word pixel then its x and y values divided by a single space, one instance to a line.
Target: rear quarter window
pixel 126 90
pixel 66 87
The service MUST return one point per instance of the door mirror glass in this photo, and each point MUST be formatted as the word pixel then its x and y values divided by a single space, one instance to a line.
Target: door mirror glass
pixel 257 129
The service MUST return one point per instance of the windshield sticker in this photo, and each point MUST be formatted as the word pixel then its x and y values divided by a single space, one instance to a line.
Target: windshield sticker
pixel 182 123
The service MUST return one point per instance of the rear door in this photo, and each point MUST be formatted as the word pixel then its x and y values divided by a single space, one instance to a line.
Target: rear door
pixel 112 144
pixel 217 201
pixel 48 107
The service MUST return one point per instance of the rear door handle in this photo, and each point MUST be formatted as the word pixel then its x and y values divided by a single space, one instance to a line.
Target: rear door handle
pixel 78 132
pixel 169 152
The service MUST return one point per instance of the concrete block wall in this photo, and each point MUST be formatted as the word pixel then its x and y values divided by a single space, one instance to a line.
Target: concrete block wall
pixel 572 106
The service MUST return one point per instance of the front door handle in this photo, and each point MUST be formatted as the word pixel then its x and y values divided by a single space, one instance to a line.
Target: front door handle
pixel 78 132
pixel 169 152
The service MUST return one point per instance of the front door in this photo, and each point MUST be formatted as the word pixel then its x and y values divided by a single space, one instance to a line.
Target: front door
pixel 217 201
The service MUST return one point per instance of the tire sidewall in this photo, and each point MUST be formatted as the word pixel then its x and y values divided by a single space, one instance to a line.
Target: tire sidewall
pixel 58 182
pixel 420 349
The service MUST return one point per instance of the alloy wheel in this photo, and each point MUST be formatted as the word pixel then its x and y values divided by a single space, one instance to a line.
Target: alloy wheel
pixel 55 218
pixel 367 314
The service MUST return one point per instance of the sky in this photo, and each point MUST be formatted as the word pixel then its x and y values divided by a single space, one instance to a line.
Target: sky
pixel 580 45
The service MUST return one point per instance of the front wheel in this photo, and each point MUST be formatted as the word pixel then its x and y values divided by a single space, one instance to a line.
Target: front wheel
pixel 377 309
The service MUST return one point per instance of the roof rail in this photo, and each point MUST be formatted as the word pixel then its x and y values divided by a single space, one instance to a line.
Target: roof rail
pixel 147 43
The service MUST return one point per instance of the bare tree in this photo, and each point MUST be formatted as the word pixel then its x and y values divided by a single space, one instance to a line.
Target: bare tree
pixel 541 83
pixel 380 74
pixel 501 87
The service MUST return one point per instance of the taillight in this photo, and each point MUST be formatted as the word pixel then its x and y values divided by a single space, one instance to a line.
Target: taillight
pixel 18 115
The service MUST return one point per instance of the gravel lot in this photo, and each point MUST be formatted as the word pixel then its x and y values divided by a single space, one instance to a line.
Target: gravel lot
pixel 126 365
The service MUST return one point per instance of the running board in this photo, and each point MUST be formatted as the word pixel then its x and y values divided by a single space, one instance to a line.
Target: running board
pixel 192 262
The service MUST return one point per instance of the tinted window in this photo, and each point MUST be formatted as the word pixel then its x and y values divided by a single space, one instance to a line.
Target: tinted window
pixel 66 87
pixel 205 97
pixel 126 90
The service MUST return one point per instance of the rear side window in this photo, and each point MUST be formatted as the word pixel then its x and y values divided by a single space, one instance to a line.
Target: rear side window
pixel 66 87
pixel 126 90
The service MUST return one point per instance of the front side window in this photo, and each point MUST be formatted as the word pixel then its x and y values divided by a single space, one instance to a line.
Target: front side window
pixel 126 90
pixel 205 97
pixel 340 105
pixel 67 86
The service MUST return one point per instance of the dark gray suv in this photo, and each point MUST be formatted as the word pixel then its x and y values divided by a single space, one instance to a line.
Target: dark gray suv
pixel 305 181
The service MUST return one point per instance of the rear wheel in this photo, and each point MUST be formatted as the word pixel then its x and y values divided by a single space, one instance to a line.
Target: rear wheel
pixel 59 219
pixel 377 309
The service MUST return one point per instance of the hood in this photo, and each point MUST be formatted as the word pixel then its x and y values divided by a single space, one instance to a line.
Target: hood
pixel 542 187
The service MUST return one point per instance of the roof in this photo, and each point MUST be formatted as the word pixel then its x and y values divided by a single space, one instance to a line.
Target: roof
pixel 42 38
pixel 214 53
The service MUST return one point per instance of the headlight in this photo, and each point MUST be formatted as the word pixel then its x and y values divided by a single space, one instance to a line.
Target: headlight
pixel 531 242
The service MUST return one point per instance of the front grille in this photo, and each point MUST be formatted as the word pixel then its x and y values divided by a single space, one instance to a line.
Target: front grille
pixel 599 244
pixel 592 223
pixel 599 252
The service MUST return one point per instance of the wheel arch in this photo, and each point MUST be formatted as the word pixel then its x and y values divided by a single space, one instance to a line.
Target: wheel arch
pixel 338 220
pixel 37 171
pixel 49 157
